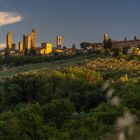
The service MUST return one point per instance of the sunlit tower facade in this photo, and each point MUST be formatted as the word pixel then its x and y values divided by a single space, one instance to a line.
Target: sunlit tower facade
pixel 107 42
pixel 21 47
pixel 33 38
pixel 106 37
pixel 59 41
pixel 9 41
pixel 46 48
pixel 28 42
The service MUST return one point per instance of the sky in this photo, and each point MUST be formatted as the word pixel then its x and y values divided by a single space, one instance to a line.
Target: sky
pixel 75 20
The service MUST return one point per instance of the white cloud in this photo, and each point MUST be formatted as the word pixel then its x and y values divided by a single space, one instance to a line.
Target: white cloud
pixel 9 18
pixel 2 45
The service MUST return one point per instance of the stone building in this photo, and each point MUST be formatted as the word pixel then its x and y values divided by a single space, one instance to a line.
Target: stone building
pixel 21 47
pixel 9 40
pixel 59 41
pixel 33 38
pixel 125 44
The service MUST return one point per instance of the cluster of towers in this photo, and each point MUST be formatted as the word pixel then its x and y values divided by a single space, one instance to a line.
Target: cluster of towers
pixel 30 41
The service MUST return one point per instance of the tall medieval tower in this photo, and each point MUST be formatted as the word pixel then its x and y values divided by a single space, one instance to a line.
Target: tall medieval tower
pixel 59 42
pixel 9 40
pixel 33 38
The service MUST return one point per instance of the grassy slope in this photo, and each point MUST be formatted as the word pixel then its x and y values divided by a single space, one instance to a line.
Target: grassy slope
pixel 109 66
pixel 43 66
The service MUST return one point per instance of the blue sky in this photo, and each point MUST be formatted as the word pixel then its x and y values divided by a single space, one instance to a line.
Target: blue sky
pixel 75 20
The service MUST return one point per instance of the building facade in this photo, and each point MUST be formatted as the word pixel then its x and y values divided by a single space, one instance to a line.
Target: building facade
pixel 125 44
pixel 59 41
pixel 33 38
pixel 9 41
pixel 21 49
pixel 106 37
pixel 28 42
pixel 46 48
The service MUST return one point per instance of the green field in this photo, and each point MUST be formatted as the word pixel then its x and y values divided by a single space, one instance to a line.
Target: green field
pixel 110 67
pixel 47 66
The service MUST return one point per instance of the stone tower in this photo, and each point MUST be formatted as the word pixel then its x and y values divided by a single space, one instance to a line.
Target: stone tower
pixel 28 42
pixel 9 40
pixel 33 38
pixel 106 37
pixel 59 41
pixel 20 47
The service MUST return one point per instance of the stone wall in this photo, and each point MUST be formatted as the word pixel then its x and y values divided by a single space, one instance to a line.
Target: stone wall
pixel 124 44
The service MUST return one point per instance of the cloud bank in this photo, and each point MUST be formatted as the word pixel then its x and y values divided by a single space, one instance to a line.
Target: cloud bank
pixel 9 18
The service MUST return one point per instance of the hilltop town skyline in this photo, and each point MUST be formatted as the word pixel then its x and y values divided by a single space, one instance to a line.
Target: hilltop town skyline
pixel 76 21
pixel 53 40
pixel 28 45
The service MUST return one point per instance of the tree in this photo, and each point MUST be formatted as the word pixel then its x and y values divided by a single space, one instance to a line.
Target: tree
pixel 64 48
pixel 33 51
pixel 118 52
pixel 125 39
pixel 74 47
pixel 7 52
pixel 26 51
pixel 9 126
pixel 105 44
pixel 125 50
pixel 136 51
pixel 23 88
pixel 58 111
pixel 108 52
pixel 135 38
pixel 29 116
pixel 86 45
pixel 110 43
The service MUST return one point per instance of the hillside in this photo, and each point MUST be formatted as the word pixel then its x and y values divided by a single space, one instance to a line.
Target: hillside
pixel 75 99
pixel 109 67
pixel 43 66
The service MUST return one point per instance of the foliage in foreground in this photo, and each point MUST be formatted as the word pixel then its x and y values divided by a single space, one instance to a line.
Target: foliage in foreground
pixel 67 104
